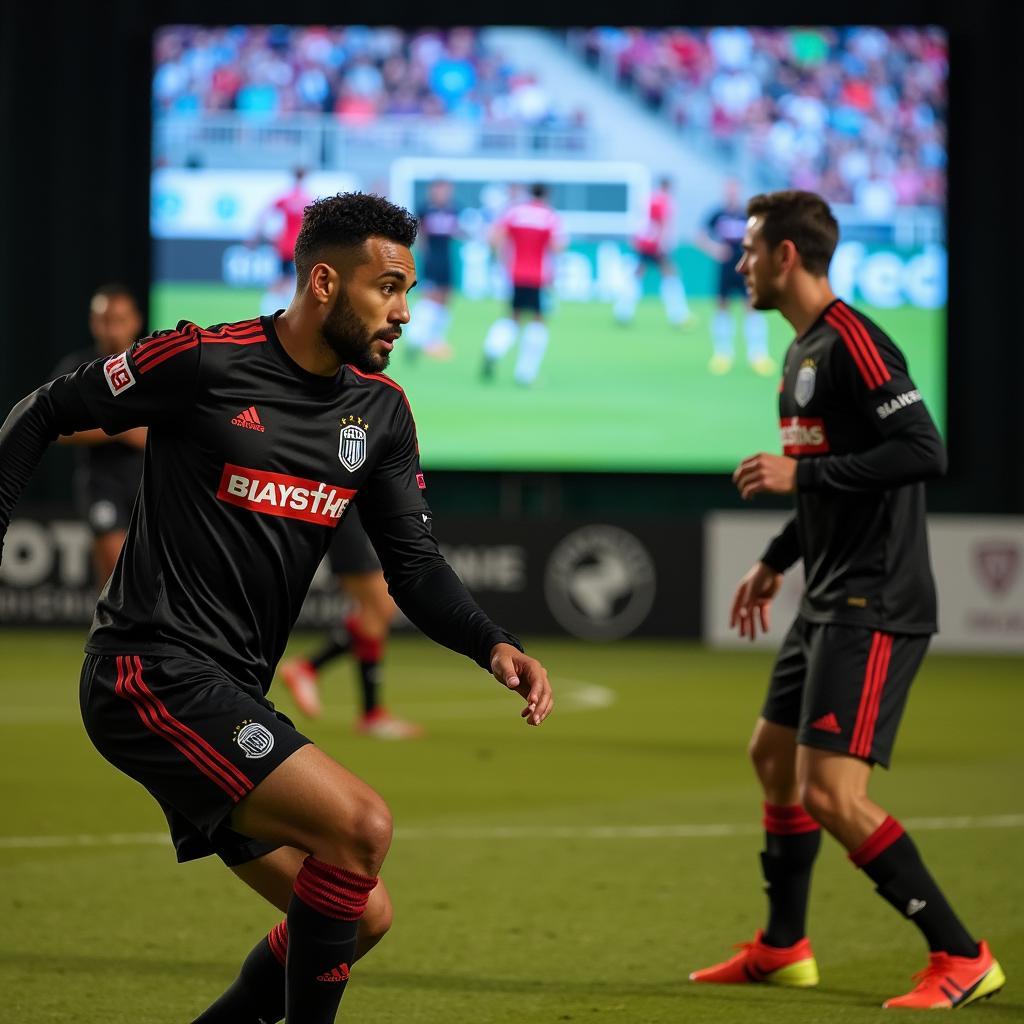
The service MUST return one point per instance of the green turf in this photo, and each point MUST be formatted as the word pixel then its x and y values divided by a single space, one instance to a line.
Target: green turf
pixel 608 397
pixel 512 904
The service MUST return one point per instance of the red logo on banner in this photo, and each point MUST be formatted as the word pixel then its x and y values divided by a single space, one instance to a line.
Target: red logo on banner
pixel 996 563
pixel 276 494
pixel 802 436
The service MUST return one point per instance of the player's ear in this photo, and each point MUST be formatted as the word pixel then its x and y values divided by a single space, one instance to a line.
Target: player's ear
pixel 323 282
pixel 787 255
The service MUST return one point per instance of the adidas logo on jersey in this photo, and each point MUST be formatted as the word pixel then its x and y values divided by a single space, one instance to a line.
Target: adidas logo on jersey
pixel 249 419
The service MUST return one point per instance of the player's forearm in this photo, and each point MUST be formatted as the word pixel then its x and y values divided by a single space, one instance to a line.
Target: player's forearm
pixel 783 550
pixel 916 454
pixel 439 605
pixel 32 426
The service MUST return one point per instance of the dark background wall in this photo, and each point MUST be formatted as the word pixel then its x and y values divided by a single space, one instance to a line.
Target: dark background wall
pixel 74 116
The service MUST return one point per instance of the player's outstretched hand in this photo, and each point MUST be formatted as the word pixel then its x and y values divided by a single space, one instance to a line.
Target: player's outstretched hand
pixel 527 677
pixel 765 474
pixel 753 597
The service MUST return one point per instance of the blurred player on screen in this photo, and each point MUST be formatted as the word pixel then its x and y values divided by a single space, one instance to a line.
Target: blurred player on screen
pixel 528 235
pixel 439 226
pixel 287 211
pixel 722 240
pixel 653 249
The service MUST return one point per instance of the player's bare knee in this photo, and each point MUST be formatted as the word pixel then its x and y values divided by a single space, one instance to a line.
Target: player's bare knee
pixel 830 806
pixel 370 828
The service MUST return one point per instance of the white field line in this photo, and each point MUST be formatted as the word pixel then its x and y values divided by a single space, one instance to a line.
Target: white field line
pixel 503 832
pixel 571 695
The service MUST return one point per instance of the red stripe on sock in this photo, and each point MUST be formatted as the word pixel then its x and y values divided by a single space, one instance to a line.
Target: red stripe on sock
pixel 278 939
pixel 878 842
pixel 365 648
pixel 333 891
pixel 791 820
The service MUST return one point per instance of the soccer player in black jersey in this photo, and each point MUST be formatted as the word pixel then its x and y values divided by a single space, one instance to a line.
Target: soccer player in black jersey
pixel 261 434
pixel 107 469
pixel 858 444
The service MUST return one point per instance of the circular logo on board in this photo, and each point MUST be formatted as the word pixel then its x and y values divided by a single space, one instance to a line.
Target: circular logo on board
pixel 600 583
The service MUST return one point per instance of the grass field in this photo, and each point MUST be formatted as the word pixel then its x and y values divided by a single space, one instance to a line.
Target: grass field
pixel 572 873
pixel 608 397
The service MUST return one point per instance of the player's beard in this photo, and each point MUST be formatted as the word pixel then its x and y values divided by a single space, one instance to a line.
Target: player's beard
pixel 351 340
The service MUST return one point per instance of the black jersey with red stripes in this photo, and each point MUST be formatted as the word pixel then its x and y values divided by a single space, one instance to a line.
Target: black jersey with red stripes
pixel 251 464
pixel 865 443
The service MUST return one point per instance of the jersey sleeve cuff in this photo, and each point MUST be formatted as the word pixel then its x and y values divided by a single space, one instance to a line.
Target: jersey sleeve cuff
pixel 494 636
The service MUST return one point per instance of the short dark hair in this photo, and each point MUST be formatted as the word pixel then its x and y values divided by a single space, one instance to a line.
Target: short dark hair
pixel 347 220
pixel 802 217
pixel 538 190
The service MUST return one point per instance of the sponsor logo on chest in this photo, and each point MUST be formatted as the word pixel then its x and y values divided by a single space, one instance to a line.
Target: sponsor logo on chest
pixel 802 435
pixel 277 494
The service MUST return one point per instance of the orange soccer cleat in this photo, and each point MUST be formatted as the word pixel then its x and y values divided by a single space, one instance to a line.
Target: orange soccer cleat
pixel 791 966
pixel 382 726
pixel 299 678
pixel 949 982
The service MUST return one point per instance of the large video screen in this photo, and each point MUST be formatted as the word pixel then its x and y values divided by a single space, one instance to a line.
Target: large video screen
pixel 581 195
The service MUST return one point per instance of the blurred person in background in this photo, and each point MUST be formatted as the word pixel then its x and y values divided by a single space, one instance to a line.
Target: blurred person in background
pixel 363 634
pixel 439 226
pixel 286 212
pixel 526 237
pixel 858 445
pixel 722 239
pixel 107 469
pixel 653 248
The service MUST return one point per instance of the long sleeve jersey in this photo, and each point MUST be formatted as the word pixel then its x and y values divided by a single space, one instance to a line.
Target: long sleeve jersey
pixel 251 463
pixel 865 443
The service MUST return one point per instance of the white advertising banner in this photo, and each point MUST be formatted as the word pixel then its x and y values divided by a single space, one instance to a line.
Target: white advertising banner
pixel 979 573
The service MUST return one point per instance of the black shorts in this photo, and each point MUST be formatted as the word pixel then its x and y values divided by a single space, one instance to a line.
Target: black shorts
pixel 730 282
pixel 193 737
pixel 351 553
pixel 437 272
pixel 526 299
pixel 106 502
pixel 843 688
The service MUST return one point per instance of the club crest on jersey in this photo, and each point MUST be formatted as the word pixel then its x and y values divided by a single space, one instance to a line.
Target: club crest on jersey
pixel 352 442
pixel 804 390
pixel 254 739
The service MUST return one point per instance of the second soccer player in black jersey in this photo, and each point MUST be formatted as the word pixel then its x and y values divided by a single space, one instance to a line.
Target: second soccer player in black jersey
pixel 858 444
pixel 261 435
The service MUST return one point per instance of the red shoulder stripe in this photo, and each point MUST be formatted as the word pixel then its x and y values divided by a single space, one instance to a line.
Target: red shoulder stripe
pixel 387 380
pixel 874 357
pixel 867 371
pixel 156 340
pixel 157 358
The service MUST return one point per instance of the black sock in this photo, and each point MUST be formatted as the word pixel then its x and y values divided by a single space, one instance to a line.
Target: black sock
pixel 891 860
pixel 323 919
pixel 338 644
pixel 792 840
pixel 369 678
pixel 257 995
